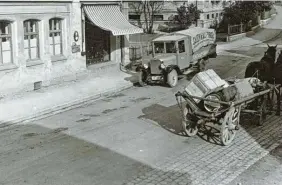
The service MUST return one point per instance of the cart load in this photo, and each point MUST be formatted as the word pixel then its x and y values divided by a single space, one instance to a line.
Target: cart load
pixel 210 99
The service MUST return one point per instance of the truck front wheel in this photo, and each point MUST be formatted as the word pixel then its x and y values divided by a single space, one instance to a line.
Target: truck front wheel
pixel 142 78
pixel 172 78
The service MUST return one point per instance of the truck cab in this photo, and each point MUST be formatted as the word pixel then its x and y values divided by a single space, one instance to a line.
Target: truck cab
pixel 175 53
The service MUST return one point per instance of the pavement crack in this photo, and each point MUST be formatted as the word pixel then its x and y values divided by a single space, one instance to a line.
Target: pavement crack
pixel 83 120
pixel 109 111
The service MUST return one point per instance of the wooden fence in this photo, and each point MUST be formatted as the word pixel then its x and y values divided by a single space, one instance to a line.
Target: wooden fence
pixel 239 28
pixel 139 51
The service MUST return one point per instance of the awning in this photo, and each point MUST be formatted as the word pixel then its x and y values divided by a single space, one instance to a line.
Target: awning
pixel 110 18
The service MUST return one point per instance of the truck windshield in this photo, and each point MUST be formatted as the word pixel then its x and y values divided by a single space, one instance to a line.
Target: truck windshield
pixel 159 47
pixel 170 47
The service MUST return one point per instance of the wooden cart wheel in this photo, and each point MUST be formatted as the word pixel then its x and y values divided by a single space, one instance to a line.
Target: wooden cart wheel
pixel 189 126
pixel 262 112
pixel 229 124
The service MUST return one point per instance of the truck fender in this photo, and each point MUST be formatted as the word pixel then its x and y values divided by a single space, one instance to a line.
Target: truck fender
pixel 171 67
pixel 139 68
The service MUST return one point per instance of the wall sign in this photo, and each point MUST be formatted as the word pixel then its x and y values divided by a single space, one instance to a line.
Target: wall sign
pixel 75 48
pixel 75 36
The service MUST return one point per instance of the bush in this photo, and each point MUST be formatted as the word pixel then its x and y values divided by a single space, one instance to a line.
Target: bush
pixel 170 28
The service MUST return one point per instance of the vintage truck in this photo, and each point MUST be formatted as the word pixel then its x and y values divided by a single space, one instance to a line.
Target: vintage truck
pixel 175 53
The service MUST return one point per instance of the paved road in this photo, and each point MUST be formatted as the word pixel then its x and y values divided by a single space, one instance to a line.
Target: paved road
pixel 133 138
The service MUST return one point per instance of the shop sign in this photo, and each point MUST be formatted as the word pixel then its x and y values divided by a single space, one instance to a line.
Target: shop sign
pixel 75 48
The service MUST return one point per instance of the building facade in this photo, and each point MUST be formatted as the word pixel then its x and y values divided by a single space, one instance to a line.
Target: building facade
pixel 42 41
pixel 167 11
pixel 211 12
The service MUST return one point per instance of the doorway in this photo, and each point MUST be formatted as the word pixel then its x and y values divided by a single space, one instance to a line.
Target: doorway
pixel 97 44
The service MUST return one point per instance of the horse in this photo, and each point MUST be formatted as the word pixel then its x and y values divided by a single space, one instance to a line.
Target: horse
pixel 263 69
pixel 277 70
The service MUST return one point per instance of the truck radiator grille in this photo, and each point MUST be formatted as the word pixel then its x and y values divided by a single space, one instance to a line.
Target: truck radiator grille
pixel 154 65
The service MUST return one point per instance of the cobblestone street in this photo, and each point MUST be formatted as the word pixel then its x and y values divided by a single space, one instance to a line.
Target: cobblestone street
pixel 135 137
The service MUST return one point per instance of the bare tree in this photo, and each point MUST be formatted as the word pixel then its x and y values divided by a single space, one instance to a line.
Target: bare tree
pixel 148 9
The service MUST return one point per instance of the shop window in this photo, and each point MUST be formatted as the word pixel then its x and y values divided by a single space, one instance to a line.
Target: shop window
pixel 208 16
pixel 216 14
pixel 5 43
pixel 55 37
pixel 181 46
pixel 212 15
pixel 31 40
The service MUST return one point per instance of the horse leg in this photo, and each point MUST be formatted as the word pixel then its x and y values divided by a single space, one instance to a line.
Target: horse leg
pixel 270 103
pixel 278 94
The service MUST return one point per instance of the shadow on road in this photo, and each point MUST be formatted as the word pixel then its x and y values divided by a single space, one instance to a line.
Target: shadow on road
pixel 169 118
pixel 31 154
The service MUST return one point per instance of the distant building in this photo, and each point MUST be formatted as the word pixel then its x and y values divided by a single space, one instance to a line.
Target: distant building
pixel 212 12
pixel 168 10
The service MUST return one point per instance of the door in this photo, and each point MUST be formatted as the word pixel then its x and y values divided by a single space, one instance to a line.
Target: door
pixel 182 55
pixel 97 42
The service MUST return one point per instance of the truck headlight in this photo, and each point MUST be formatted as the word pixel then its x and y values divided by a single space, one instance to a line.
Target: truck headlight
pixel 212 106
pixel 145 66
pixel 162 66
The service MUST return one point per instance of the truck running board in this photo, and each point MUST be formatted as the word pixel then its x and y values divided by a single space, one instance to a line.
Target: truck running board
pixel 188 71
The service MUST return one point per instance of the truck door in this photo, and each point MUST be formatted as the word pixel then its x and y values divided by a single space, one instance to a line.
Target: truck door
pixel 182 55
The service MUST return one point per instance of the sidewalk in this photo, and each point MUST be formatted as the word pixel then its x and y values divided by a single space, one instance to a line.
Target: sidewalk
pixel 38 104
pixel 270 31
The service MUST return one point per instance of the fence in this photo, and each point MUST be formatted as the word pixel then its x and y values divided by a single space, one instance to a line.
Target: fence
pixel 139 52
pixel 239 28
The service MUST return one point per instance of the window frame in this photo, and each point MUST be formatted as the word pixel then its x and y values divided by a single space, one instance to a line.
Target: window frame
pixel 10 36
pixel 174 47
pixel 158 17
pixel 135 17
pixel 52 31
pixel 29 34
pixel 178 44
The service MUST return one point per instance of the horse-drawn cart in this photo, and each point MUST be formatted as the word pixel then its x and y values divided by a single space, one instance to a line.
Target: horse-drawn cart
pixel 210 99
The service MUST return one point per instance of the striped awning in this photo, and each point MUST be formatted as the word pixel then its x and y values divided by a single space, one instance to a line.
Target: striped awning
pixel 110 18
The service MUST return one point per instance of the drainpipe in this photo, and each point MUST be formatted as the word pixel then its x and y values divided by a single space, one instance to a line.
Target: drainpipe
pixel 121 64
pixel 197 10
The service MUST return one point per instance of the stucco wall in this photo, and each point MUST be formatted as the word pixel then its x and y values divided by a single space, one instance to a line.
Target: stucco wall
pixel 21 75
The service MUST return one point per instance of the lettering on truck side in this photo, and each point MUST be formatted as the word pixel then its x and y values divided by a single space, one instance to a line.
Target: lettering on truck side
pixel 202 37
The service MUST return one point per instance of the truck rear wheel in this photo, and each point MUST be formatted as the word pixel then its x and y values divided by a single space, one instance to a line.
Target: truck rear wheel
pixel 172 78
pixel 201 65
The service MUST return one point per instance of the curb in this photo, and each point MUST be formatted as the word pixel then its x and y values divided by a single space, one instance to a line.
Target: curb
pixel 64 107
pixel 264 41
